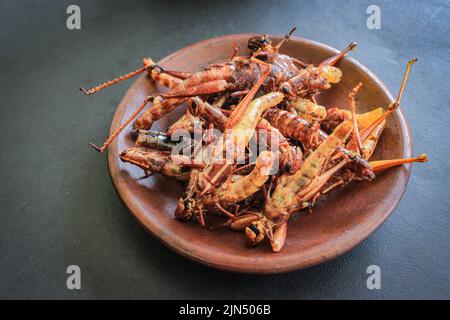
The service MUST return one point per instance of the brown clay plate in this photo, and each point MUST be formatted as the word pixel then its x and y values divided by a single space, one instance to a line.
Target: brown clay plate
pixel 337 223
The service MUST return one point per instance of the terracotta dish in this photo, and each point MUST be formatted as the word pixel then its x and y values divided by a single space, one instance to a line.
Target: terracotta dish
pixel 338 222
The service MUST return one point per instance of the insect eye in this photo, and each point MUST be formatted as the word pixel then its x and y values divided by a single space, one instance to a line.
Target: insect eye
pixel 255 229
pixel 287 167
pixel 285 90
pixel 255 43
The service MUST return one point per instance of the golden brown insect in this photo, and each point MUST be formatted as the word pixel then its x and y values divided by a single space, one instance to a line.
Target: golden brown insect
pixel 311 80
pixel 153 161
pixel 372 127
pixel 310 136
pixel 293 191
pixel 238 188
pixel 285 75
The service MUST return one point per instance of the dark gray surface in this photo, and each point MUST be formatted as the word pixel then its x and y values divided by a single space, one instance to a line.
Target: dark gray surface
pixel 58 206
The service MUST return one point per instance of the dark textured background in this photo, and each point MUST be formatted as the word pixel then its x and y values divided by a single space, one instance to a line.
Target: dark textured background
pixel 57 203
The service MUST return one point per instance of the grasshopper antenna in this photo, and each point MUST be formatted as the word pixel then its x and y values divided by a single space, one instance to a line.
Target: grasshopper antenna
pixel 286 38
pixel 402 87
pixel 121 127
pixel 351 97
pixel 381 165
pixel 113 81
pixel 367 131
pixel 148 66
pixel 331 61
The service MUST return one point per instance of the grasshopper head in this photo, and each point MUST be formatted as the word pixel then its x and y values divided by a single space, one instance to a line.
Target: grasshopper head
pixel 259 43
pixel 255 233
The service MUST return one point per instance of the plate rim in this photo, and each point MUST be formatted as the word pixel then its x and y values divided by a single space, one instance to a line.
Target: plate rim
pixel 340 248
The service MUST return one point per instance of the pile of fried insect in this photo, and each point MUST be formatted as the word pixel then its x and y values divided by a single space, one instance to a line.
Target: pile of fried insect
pixel 320 149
